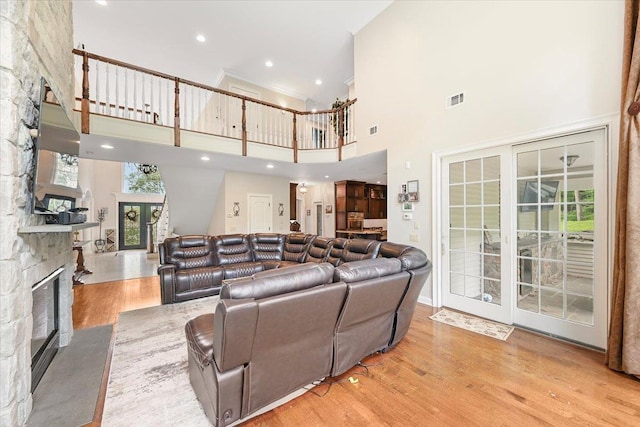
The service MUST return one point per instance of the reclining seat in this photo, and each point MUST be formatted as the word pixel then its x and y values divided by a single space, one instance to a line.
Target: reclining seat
pixel 248 354
pixel 234 255
pixel 415 262
pixel 374 290
pixel 319 250
pixel 359 249
pixel 267 248
pixel 335 253
pixel 296 246
pixel 188 268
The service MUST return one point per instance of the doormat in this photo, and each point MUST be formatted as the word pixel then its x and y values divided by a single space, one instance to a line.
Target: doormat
pixel 474 324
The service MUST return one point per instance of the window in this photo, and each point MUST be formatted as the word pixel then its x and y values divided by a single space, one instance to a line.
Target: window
pixel 141 180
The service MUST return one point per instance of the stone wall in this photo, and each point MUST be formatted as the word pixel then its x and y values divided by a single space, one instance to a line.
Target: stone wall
pixel 37 39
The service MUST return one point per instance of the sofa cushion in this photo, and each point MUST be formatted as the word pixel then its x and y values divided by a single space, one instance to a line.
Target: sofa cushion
pixel 189 252
pixel 199 332
pixel 296 246
pixel 411 258
pixel 335 253
pixel 267 246
pixel 243 269
pixel 232 249
pixel 357 249
pixel 288 280
pixel 198 278
pixel 357 271
pixel 319 250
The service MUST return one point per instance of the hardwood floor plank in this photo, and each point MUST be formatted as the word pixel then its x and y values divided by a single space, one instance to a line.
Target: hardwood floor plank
pixel 437 375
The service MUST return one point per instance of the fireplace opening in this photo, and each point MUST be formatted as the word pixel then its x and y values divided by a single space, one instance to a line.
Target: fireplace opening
pixel 45 337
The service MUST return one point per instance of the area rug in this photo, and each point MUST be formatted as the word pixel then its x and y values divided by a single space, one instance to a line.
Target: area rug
pixel 68 391
pixel 149 380
pixel 473 324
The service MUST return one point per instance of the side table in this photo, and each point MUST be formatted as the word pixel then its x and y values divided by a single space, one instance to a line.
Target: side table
pixel 80 268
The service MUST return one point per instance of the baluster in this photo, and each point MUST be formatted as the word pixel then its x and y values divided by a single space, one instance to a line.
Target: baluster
pixel 117 91
pixel 97 106
pixel 126 94
pixel 144 115
pixel 135 95
pixel 151 108
pixel 294 141
pixel 244 127
pixel 107 94
pixel 169 103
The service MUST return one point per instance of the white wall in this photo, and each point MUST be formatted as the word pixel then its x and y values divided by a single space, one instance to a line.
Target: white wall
pixel 237 186
pixel 523 66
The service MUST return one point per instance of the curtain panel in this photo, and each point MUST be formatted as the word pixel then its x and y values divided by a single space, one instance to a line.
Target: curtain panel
pixel 623 347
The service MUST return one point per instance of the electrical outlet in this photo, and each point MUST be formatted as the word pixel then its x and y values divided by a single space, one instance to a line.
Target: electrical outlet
pixel 407 216
pixel 414 237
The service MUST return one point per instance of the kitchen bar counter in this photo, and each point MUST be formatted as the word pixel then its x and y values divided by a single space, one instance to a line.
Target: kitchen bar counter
pixel 362 234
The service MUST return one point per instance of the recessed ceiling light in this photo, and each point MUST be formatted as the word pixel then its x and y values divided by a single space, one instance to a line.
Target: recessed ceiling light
pixel 102 2
pixel 314 110
pixel 326 176
pixel 107 146
pixel 205 158
pixel 270 166
pixel 268 63
pixel 201 38
pixel 318 82
pixel 377 182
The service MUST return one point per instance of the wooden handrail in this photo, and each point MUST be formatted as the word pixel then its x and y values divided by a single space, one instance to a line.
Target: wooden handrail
pixel 89 55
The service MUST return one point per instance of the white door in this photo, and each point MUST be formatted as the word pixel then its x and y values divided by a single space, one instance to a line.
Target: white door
pixel 476 271
pixel 561 254
pixel 260 213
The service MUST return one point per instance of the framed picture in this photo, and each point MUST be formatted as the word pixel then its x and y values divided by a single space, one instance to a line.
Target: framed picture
pixel 413 197
pixel 412 186
pixel 403 197
pixel 328 209
pixel 407 207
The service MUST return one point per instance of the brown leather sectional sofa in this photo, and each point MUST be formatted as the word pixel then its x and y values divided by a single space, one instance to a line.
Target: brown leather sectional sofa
pixel 311 313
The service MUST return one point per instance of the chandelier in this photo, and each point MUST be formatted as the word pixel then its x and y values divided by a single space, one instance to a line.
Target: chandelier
pixel 146 168
pixel 69 159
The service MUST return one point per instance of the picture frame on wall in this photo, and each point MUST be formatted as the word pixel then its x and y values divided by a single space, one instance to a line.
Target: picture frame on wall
pixel 413 190
pixel 328 209
pixel 407 207
pixel 403 197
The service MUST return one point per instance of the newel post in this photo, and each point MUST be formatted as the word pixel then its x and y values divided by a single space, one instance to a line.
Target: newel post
pixel 176 118
pixel 295 140
pixel 84 106
pixel 244 127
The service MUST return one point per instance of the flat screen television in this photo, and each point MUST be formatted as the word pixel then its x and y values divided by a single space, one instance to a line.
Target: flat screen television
pixel 54 186
pixel 548 192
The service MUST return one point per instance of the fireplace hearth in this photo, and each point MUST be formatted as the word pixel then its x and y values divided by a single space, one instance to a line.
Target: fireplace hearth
pixel 45 338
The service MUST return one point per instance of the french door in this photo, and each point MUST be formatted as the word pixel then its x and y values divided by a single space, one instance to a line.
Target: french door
pixel 522 227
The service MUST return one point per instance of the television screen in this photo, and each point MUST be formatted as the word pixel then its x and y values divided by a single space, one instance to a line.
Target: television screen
pixel 55 165
pixel 548 191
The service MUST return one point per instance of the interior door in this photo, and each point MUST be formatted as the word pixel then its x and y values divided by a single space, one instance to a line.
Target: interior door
pixel 475 247
pixel 319 218
pixel 561 254
pixel 260 213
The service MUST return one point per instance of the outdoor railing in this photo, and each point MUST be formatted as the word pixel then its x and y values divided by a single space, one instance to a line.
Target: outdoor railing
pixel 117 89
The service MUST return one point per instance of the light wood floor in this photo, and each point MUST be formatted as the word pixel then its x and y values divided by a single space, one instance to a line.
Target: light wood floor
pixel 438 376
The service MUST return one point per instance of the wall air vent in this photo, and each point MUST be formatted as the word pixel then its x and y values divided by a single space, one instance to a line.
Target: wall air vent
pixel 373 130
pixel 455 100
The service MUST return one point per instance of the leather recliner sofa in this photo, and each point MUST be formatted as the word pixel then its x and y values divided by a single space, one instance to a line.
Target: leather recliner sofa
pixel 195 266
pixel 280 329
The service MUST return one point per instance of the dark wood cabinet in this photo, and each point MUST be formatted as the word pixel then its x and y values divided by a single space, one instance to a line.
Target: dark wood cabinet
pixel 350 197
pixel 293 191
pixel 376 198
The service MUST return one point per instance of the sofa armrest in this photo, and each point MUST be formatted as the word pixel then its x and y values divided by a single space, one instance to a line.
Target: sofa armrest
pixel 167 273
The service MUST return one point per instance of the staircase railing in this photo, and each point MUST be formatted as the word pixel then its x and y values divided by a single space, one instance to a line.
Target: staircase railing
pixel 117 89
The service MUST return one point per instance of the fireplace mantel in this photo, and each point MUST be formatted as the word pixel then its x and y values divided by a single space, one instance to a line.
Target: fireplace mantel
pixel 55 228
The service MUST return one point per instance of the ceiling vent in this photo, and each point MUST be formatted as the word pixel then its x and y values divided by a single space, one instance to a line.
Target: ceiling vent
pixel 455 100
pixel 373 130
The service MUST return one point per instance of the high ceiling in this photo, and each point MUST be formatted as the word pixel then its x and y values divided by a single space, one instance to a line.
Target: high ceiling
pixel 305 40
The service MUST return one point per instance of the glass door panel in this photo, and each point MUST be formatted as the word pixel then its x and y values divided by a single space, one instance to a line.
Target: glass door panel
pixel 474 250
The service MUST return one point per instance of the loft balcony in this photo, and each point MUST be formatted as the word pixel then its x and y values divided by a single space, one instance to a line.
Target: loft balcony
pixel 120 100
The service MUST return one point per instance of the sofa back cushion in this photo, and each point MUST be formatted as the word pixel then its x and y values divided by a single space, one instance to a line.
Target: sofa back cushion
pixel 296 246
pixel 267 246
pixel 359 249
pixel 232 249
pixel 189 251
pixel 410 257
pixel 357 271
pixel 279 281
pixel 335 253
pixel 319 250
